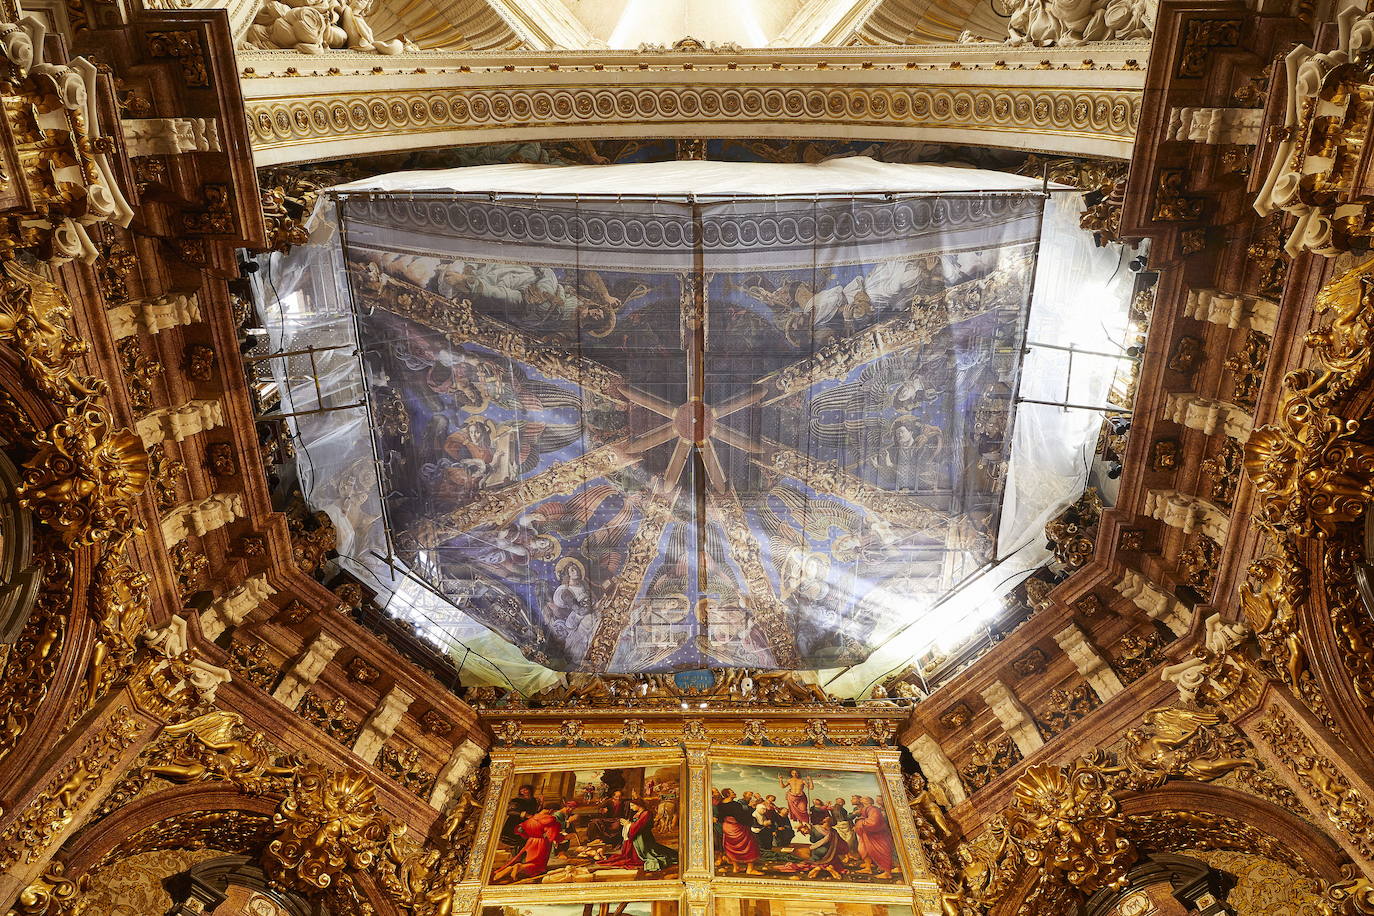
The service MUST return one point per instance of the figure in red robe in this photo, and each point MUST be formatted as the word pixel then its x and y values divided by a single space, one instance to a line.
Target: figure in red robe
pixel 736 837
pixel 541 832
pixel 875 840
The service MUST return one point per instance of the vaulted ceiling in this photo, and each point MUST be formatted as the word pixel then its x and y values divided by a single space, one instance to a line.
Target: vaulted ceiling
pixel 628 24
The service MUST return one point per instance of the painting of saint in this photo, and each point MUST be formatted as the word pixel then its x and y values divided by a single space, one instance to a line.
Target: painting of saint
pixel 807 837
pixel 583 826
pixel 570 610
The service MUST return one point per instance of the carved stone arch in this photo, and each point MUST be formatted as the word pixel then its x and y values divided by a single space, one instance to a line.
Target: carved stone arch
pixel 1190 815
pixel 42 674
pixel 43 671
pixel 194 813
pixel 204 886
pixel 1184 815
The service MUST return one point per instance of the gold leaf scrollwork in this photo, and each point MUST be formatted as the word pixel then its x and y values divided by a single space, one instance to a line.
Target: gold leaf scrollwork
pixel 1319 778
pixel 86 472
pixel 1353 895
pixel 84 477
pixel 1178 742
pixel 52 893
pixel 1313 468
pixel 1073 533
pixel 207 747
pixel 1275 586
pixel 1066 822
pixel 328 825
pixel 1065 825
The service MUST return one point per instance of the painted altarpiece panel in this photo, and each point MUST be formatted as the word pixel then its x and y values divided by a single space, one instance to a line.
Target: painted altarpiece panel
pixel 643 827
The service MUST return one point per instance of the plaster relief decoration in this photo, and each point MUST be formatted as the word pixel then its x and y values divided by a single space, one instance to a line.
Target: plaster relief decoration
pixel 1326 121
pixel 590 825
pixel 816 824
pixel 64 169
pixel 1070 23
pixel 650 433
pixel 318 26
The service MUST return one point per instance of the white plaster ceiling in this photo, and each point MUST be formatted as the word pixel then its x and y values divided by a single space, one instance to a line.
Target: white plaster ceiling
pixel 628 24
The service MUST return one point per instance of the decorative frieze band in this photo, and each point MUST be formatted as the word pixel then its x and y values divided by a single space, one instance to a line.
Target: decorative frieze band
pixel 311 117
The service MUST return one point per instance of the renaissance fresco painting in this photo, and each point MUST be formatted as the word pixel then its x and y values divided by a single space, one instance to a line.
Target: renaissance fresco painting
pixel 802 824
pixel 629 438
pixel 589 825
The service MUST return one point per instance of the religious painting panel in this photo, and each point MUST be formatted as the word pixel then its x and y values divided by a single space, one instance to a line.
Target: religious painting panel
pixel 784 906
pixel 591 823
pixel 802 822
pixel 603 908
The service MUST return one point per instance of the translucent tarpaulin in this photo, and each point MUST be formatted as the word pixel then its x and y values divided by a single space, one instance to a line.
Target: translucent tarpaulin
pixel 647 432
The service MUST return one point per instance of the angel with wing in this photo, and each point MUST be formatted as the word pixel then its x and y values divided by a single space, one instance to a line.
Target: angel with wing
pixel 1182 742
pixel 799 307
pixel 495 454
pixel 211 750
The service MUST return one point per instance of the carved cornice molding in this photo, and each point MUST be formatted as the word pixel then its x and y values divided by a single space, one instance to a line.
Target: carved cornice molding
pixel 632 727
pixel 1016 100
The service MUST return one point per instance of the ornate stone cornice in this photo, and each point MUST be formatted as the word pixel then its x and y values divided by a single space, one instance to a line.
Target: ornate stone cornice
pixel 1023 99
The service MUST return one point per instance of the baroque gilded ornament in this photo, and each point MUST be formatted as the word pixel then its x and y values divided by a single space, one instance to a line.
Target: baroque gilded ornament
pixel 1275 587
pixel 86 472
pixel 65 176
pixel 1312 468
pixel 1064 826
pixel 1073 534
pixel 206 747
pixel 328 825
pixel 1066 822
pixel 1177 742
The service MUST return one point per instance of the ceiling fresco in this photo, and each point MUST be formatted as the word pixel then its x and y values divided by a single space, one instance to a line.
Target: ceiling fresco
pixel 649 436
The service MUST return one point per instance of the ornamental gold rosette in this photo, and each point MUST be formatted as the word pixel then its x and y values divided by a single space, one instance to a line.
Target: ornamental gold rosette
pixel 329 824
pixel 1066 821
pixel 84 478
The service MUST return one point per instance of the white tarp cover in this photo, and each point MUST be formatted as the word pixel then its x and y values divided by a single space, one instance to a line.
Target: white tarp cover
pixel 695 414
